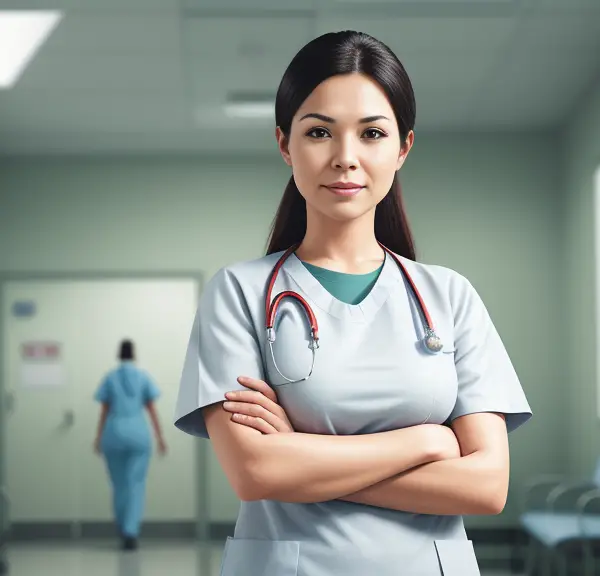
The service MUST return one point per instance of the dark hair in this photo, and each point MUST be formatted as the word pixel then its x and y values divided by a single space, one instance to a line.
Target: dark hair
pixel 126 350
pixel 326 56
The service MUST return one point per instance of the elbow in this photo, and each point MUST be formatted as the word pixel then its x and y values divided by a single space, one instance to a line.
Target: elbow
pixel 249 483
pixel 495 498
pixel 495 504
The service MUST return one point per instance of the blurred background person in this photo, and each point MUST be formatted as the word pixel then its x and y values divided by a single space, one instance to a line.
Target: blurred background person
pixel 123 439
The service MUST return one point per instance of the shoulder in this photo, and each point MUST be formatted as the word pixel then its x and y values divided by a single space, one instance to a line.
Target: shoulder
pixel 250 270
pixel 442 278
pixel 247 276
pixel 448 285
pixel 108 376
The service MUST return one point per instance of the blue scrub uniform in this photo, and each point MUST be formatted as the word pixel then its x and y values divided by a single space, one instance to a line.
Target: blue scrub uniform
pixel 126 442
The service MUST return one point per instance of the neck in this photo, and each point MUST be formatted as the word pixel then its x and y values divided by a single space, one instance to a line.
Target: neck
pixel 345 246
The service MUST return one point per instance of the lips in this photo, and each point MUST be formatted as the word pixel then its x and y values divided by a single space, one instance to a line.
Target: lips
pixel 345 189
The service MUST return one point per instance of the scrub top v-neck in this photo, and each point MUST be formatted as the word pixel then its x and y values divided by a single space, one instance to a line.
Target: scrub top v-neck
pixel 348 288
pixel 387 280
pixel 370 375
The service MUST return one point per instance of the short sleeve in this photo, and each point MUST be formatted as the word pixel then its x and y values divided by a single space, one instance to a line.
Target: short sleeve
pixel 223 345
pixel 487 381
pixel 151 391
pixel 103 393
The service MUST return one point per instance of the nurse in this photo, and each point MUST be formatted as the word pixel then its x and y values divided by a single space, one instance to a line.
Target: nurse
pixel 354 447
pixel 124 439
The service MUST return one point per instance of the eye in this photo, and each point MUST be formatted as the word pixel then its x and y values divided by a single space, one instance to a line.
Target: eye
pixel 378 134
pixel 315 131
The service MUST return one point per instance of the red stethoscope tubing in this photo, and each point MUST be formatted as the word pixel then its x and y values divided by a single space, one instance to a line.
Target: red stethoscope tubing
pixel 271 306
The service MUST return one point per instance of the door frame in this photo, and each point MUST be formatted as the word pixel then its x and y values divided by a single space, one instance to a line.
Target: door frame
pixel 202 481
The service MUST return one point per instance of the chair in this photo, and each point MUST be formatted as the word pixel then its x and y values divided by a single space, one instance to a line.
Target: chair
pixel 4 503
pixel 552 525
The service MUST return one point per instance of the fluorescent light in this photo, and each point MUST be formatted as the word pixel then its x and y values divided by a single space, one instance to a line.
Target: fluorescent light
pixel 22 33
pixel 250 109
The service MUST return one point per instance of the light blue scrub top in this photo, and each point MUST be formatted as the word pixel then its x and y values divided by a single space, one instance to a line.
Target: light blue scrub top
pixel 126 390
pixel 371 375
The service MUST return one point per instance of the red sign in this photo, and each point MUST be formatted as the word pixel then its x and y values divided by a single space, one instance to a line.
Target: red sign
pixel 40 350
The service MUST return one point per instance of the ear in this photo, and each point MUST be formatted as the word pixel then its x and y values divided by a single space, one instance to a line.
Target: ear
pixel 405 149
pixel 283 145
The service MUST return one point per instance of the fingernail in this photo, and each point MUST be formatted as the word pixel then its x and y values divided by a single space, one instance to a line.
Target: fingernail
pixel 226 405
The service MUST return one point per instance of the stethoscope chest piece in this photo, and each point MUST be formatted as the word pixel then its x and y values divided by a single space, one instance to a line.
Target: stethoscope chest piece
pixel 433 343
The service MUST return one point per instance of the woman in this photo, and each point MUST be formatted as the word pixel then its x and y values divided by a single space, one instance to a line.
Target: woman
pixel 124 439
pixel 367 465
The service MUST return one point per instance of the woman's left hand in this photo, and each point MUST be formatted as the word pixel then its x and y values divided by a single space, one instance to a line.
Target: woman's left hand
pixel 257 408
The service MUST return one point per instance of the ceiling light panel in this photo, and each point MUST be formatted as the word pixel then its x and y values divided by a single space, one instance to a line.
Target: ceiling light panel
pixel 22 34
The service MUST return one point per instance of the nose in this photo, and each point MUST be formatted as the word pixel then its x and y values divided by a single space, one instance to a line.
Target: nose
pixel 345 156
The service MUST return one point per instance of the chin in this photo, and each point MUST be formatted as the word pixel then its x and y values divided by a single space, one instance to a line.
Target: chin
pixel 343 213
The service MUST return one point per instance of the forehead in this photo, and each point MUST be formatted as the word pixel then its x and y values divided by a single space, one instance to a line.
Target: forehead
pixel 347 96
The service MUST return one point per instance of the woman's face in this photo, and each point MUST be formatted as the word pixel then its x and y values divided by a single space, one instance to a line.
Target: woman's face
pixel 345 131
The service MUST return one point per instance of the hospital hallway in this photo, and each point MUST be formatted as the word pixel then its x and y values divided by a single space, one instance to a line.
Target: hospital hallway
pixel 102 558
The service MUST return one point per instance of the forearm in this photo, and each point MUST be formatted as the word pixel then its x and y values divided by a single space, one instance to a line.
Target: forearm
pixel 154 419
pixel 300 467
pixel 473 484
pixel 156 425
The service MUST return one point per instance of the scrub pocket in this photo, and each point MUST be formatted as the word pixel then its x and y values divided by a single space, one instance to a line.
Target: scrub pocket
pixel 246 557
pixel 457 557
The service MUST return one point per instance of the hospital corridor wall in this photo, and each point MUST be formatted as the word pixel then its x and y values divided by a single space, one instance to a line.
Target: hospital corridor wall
pixel 168 213
pixel 60 334
pixel 581 162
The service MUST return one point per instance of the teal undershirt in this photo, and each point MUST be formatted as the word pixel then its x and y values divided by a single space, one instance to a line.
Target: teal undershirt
pixel 349 288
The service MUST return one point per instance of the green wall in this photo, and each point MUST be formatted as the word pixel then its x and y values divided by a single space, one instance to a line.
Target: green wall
pixel 581 150
pixel 490 206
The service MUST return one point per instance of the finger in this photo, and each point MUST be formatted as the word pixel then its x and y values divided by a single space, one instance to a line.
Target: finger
pixel 254 397
pixel 258 399
pixel 251 396
pixel 256 411
pixel 253 422
pixel 259 386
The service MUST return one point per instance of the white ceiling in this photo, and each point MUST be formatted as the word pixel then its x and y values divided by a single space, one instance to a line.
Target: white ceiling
pixel 152 75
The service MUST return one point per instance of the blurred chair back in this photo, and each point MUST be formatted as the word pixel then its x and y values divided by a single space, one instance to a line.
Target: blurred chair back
pixel 596 477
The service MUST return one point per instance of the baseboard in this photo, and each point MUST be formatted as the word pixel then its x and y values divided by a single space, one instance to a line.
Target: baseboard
pixel 32 531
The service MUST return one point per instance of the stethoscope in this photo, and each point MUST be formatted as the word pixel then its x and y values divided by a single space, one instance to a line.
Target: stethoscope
pixel 431 341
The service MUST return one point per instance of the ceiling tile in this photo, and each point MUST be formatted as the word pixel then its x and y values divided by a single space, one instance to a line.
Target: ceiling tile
pixel 93 5
pixel 233 6
pixel 567 6
pixel 116 33
pixel 222 54
pixel 91 111
pixel 432 35
pixel 103 73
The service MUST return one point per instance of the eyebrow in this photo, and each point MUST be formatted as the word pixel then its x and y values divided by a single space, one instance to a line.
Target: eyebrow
pixel 332 120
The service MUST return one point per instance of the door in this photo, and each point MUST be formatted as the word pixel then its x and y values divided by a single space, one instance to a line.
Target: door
pixel 60 338
pixel 40 443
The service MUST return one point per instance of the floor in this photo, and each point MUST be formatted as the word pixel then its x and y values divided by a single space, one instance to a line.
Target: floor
pixel 154 558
